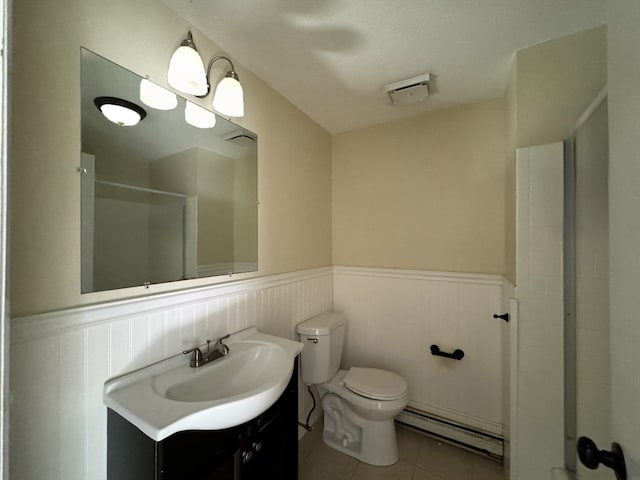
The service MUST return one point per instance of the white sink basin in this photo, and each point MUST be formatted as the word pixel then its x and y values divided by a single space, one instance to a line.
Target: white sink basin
pixel 170 396
pixel 248 367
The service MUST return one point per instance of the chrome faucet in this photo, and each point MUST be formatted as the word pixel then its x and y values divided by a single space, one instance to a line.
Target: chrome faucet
pixel 198 358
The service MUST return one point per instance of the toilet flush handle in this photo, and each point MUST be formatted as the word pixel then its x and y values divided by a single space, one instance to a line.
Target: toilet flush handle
pixel 312 340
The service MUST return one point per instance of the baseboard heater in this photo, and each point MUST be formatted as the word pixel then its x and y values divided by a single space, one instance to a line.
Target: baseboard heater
pixel 463 435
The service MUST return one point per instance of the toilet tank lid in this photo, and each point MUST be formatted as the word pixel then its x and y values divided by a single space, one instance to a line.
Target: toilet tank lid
pixel 321 324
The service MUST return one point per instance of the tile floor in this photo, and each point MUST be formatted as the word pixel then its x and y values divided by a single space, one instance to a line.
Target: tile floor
pixel 421 458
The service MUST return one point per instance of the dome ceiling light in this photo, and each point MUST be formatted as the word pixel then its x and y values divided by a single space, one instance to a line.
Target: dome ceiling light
pixel 119 111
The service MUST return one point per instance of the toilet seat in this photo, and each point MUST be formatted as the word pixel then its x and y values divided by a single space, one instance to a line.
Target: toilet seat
pixel 375 383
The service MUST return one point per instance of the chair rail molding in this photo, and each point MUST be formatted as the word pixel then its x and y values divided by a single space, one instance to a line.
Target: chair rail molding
pixel 48 324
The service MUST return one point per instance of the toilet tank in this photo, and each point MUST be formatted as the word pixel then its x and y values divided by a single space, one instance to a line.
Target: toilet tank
pixel 323 337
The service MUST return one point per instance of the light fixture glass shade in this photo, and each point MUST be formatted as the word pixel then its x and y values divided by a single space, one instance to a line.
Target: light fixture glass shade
pixel 157 97
pixel 119 111
pixel 199 117
pixel 229 98
pixel 186 71
pixel 120 115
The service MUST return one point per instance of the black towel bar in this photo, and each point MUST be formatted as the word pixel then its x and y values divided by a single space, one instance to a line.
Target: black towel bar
pixel 456 355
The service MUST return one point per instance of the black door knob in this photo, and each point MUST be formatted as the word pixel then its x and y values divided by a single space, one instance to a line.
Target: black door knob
pixel 591 457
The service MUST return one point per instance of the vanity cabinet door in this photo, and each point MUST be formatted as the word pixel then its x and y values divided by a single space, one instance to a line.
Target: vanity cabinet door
pixel 270 452
pixel 205 455
pixel 131 455
pixel 269 445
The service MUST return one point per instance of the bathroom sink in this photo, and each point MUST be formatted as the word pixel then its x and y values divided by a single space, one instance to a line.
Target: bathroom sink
pixel 170 396
pixel 247 368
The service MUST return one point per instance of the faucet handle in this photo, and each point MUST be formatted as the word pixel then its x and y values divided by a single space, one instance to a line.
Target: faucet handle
pixel 221 347
pixel 196 358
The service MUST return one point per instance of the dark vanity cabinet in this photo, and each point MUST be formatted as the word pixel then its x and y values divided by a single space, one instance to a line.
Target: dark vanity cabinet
pixel 265 447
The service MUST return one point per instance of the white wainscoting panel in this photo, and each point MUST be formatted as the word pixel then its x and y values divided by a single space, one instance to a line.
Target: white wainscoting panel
pixel 395 315
pixel 61 360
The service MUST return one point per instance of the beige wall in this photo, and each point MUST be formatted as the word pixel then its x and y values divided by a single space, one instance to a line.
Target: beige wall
pixel 425 193
pixel 215 208
pixel 549 87
pixel 294 153
pixel 121 241
pixel 244 221
pixel 556 82
pixel 175 173
pixel 511 111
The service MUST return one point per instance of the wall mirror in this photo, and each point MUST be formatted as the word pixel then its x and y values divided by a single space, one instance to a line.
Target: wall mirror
pixel 161 200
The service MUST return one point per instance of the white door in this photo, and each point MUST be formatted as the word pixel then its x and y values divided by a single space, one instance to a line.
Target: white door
pixel 4 319
pixel 624 237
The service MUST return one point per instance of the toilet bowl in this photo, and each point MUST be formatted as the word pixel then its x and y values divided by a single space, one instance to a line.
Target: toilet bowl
pixel 361 426
pixel 359 404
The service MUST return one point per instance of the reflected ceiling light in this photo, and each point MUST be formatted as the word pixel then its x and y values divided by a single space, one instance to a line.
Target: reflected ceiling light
pixel 119 111
pixel 186 69
pixel 187 74
pixel 157 97
pixel 199 117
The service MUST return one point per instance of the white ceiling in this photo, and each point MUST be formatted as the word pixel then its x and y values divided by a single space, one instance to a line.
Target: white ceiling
pixel 332 58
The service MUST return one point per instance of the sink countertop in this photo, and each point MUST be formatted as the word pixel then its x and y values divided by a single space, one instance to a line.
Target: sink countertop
pixel 143 397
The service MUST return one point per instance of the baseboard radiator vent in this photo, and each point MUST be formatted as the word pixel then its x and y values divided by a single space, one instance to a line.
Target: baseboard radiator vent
pixel 452 432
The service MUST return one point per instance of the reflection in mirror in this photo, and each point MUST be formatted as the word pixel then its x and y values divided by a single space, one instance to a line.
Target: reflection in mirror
pixel 162 200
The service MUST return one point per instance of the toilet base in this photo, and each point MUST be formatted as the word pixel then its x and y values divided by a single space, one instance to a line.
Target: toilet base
pixel 371 442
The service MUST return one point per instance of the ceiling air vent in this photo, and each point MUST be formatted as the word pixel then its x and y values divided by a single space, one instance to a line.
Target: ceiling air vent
pixel 240 137
pixel 411 90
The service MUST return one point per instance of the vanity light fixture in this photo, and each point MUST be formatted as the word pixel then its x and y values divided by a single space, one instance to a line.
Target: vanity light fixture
pixel 199 117
pixel 155 96
pixel 119 111
pixel 187 74
pixel 186 69
pixel 228 98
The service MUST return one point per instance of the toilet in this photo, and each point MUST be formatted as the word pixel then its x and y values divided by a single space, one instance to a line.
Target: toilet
pixel 359 404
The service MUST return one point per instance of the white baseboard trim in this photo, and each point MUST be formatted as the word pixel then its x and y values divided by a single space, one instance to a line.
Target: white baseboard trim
pixel 473 422
pixel 455 432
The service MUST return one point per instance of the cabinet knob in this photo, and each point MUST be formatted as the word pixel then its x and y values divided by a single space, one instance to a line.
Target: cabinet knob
pixel 257 446
pixel 247 455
